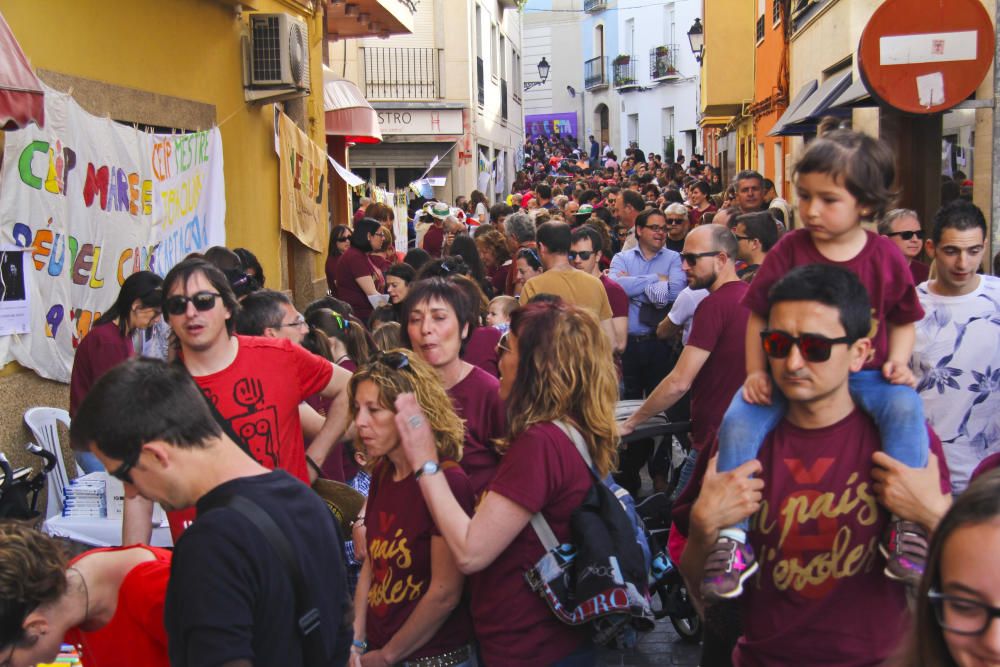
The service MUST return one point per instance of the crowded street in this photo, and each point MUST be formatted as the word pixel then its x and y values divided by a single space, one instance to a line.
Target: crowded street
pixel 447 333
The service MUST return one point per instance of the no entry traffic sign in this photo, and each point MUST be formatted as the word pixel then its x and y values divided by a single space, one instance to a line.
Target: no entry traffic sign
pixel 926 56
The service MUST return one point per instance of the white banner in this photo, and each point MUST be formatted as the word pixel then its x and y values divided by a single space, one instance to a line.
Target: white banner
pixel 93 201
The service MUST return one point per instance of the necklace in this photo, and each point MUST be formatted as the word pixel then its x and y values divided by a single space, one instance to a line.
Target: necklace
pixel 86 592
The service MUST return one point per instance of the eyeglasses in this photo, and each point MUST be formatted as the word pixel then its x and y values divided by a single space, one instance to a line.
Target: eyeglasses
pixel 177 304
pixel 397 361
pixel 123 472
pixel 583 254
pixel 962 615
pixel 343 239
pixel 743 238
pixel 906 236
pixel 778 344
pixel 502 346
pixel 297 322
pixel 673 222
pixel 691 258
pixel 656 229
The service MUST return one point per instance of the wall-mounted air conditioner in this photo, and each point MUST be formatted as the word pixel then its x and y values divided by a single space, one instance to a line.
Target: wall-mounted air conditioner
pixel 276 57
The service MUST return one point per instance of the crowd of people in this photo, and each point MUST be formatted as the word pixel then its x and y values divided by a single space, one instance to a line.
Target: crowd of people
pixel 842 395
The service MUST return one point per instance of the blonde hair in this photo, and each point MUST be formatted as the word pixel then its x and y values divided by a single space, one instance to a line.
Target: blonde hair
pixel 417 377
pixel 555 381
pixel 388 336
pixel 507 304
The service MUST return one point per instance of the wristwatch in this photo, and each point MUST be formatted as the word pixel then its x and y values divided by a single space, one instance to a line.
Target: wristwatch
pixel 428 468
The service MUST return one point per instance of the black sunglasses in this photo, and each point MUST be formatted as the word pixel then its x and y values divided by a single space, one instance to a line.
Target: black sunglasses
pixel 691 258
pixel 675 222
pixel 343 239
pixel 962 615
pixel 397 361
pixel 583 254
pixel 123 472
pixel 906 236
pixel 177 304
pixel 778 344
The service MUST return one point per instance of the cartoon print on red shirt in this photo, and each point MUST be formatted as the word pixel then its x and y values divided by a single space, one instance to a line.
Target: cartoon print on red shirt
pixel 258 425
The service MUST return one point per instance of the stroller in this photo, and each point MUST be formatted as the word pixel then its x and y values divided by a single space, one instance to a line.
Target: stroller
pixel 19 489
pixel 666 586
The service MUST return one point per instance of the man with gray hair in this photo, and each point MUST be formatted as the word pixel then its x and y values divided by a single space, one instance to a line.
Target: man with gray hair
pixel 903 228
pixel 677 226
pixel 519 231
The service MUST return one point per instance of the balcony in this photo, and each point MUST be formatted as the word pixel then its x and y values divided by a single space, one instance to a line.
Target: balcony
pixel 594 5
pixel 480 82
pixel 402 73
pixel 623 68
pixel 595 73
pixel 663 62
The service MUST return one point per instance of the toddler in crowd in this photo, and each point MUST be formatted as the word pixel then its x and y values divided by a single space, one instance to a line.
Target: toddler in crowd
pixel 843 178
pixel 499 312
pixel 360 483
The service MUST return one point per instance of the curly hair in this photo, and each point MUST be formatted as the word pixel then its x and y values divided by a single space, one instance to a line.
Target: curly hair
pixel 554 381
pixel 32 573
pixel 416 376
pixel 493 241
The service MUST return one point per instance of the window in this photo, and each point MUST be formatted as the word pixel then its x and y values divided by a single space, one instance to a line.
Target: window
pixel 760 18
pixel 502 57
pixel 776 11
pixel 494 56
pixel 479 31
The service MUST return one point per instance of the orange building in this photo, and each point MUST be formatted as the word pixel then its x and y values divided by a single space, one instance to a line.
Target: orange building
pixel 771 93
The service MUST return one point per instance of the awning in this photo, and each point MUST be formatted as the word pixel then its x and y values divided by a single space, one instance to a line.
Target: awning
pixel 855 96
pixel 805 118
pixel 800 97
pixel 21 98
pixel 715 121
pixel 348 113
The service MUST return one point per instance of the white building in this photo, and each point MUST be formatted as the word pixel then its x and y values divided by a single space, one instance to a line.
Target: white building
pixel 451 90
pixel 656 76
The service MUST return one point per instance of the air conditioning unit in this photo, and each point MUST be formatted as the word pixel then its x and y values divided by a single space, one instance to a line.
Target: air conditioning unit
pixel 276 57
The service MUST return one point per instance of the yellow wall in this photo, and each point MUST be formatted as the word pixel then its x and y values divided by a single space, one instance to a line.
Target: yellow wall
pixel 187 49
pixel 727 75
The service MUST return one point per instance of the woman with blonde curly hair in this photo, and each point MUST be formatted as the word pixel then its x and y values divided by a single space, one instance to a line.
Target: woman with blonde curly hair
pixel 408 604
pixel 493 250
pixel 544 379
pixel 107 602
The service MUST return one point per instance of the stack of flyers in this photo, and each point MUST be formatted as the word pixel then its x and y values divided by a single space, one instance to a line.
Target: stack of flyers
pixel 85 497
pixel 68 657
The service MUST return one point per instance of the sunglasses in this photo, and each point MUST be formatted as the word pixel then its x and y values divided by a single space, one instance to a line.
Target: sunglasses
pixel 906 236
pixel 691 258
pixel 177 304
pixel 778 344
pixel 123 473
pixel 397 361
pixel 674 222
pixel 343 239
pixel 583 254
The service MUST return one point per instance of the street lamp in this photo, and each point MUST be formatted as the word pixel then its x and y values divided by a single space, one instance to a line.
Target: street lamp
pixel 696 35
pixel 543 74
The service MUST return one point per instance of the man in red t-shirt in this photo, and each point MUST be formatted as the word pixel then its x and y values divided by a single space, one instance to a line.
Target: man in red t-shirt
pixel 710 365
pixel 820 595
pixel 256 384
pixel 586 252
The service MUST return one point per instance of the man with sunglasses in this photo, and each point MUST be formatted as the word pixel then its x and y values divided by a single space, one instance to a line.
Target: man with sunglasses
pixel 820 595
pixel 756 233
pixel 903 228
pixel 586 252
pixel 232 599
pixel 677 220
pixel 255 384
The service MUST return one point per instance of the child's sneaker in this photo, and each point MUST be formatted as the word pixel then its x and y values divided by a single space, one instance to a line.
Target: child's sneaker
pixel 905 551
pixel 729 563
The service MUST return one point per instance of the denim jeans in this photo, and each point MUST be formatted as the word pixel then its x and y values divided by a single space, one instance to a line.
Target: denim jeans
pixel 896 410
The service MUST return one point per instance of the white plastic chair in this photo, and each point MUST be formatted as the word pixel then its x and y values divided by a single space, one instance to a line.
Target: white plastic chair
pixel 44 426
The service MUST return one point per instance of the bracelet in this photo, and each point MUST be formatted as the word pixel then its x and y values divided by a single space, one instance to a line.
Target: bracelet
pixel 315 466
pixel 361 645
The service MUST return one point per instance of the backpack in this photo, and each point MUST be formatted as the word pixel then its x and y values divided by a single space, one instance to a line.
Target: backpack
pixel 601 579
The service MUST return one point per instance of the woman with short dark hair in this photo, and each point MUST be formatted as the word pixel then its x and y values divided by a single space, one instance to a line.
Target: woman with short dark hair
pixel 359 282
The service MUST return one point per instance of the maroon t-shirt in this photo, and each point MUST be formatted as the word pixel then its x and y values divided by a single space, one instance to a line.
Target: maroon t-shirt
pixel 719 327
pixel 381 262
pixel 820 597
pixel 103 348
pixel 481 349
pixel 477 400
pixel 880 266
pixel 541 471
pixel 991 462
pixel 499 278
pixel 434 240
pixel 399 528
pixel 616 297
pixel 331 273
pixel 920 271
pixel 352 265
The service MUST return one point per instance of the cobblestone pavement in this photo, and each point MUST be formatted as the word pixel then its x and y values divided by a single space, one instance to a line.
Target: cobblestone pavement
pixel 662 646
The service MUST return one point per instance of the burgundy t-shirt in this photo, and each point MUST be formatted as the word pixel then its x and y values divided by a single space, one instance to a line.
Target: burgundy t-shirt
pixel 399 528
pixel 695 216
pixel 481 349
pixel 616 297
pixel 541 471
pixel 499 278
pixel 339 462
pixel 719 327
pixel 880 266
pixel 820 597
pixel 331 273
pixel 434 241
pixel 352 265
pixel 477 400
pixel 101 349
pixel 991 462
pixel 380 261
pixel 920 271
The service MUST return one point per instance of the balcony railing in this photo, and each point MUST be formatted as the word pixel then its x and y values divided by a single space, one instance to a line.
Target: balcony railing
pixel 623 68
pixel 595 73
pixel 503 98
pixel 663 62
pixel 402 73
pixel 594 5
pixel 480 81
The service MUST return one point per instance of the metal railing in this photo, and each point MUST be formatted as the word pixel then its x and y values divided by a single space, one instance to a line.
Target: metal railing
pixel 393 73
pixel 663 61
pixel 623 69
pixel 595 72
pixel 480 81
pixel 594 5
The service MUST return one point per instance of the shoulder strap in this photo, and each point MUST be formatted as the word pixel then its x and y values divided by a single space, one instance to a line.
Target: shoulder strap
pixel 538 523
pixel 308 619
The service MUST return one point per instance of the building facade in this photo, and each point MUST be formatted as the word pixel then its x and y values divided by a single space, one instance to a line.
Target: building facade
pixel 599 39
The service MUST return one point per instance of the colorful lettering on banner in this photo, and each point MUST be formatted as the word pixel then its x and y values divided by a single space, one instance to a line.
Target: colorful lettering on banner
pixel 93 204
pixel 302 185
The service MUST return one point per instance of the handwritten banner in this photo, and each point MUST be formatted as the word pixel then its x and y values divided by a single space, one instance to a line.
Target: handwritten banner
pixel 302 185
pixel 93 201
